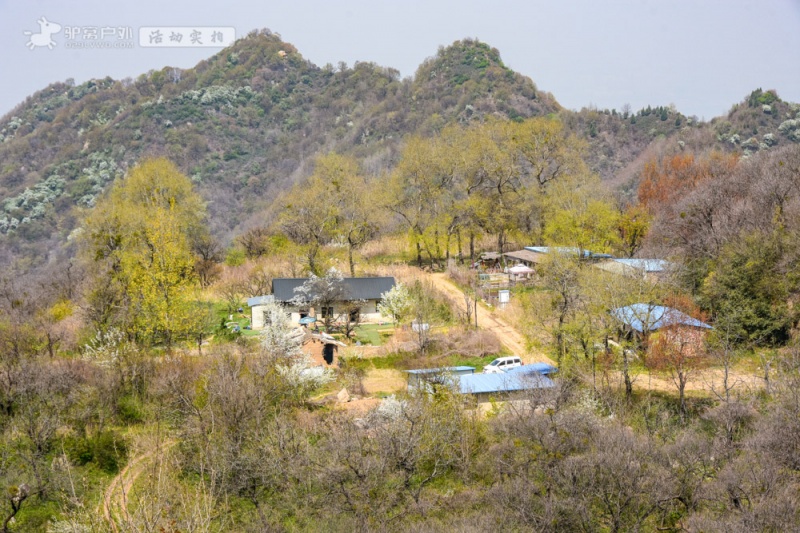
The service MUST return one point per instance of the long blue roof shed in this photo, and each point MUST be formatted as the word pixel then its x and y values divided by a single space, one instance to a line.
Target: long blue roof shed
pixel 419 376
pixel 645 317
pixel 503 383
pixel 540 368
pixel 566 250
pixel 645 265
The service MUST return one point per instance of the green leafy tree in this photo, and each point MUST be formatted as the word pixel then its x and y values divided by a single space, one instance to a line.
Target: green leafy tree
pixel 752 280
pixel 581 217
pixel 141 235
pixel 355 199
pixel 336 203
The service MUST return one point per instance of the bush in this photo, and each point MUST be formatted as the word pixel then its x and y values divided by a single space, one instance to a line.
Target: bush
pixel 110 451
pixel 235 257
pixel 79 450
pixel 130 410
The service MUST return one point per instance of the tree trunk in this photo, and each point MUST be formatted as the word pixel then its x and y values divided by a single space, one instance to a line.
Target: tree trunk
pixel 419 254
pixel 350 260
pixel 471 247
pixel 626 374
pixel 682 378
pixel 312 260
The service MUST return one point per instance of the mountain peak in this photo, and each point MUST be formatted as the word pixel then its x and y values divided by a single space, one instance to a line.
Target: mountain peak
pixel 473 73
pixel 464 60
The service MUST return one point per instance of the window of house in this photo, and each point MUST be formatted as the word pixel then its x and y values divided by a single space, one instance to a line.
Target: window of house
pixel 354 315
pixel 326 311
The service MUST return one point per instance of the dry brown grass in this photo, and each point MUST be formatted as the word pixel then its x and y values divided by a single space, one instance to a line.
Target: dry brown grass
pixel 385 246
pixel 467 343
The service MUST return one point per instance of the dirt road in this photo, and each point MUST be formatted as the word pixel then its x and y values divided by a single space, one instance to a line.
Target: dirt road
pixel 704 381
pixel 493 321
pixel 115 498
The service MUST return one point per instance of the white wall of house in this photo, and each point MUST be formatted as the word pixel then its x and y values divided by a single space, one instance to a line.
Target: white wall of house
pixel 257 316
pixel 369 313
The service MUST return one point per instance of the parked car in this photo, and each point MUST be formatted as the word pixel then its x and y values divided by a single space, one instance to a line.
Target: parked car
pixel 501 364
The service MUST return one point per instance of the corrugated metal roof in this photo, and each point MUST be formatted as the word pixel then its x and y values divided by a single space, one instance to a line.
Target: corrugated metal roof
pixel 568 250
pixel 641 317
pixel 450 369
pixel 646 265
pixel 358 288
pixel 490 255
pixel 540 368
pixel 259 300
pixel 538 249
pixel 524 255
pixel 506 382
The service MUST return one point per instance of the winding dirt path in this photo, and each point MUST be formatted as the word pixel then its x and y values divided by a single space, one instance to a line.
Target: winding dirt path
pixel 115 497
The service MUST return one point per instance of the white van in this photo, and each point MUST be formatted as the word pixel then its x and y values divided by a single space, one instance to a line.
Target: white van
pixel 501 364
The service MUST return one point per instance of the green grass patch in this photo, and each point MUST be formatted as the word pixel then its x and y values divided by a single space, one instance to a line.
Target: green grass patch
pixel 225 317
pixel 373 334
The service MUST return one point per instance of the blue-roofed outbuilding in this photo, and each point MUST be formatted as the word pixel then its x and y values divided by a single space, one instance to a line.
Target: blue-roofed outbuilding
pixel 540 368
pixel 587 254
pixel 645 318
pixel 421 376
pixel 256 304
pixel 260 300
pixel 637 268
pixel 645 265
pixel 483 386
pixel 504 383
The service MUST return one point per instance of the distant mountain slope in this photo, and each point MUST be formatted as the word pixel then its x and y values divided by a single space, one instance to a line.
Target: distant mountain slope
pixel 247 122
pixel 621 141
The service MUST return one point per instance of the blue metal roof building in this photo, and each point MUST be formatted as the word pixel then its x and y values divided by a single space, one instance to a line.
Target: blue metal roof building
pixel 458 370
pixel 420 376
pixel 503 383
pixel 260 300
pixel 540 368
pixel 645 317
pixel 567 250
pixel 465 381
pixel 645 265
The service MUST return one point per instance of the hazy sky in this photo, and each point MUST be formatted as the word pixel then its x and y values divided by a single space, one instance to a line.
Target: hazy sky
pixel 701 55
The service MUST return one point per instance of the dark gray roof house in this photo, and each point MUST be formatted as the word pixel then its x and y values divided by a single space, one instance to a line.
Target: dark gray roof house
pixel 283 289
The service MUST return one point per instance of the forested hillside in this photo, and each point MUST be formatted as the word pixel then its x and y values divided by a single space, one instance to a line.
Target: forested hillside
pixel 246 124
pixel 144 222
pixel 243 124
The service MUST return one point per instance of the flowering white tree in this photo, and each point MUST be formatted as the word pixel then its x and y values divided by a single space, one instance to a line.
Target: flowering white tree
pixel 322 292
pixel 396 303
pixel 279 338
pixel 304 376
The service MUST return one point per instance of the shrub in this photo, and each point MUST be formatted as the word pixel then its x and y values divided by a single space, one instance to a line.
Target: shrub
pixel 130 410
pixel 110 451
pixel 79 450
pixel 235 257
